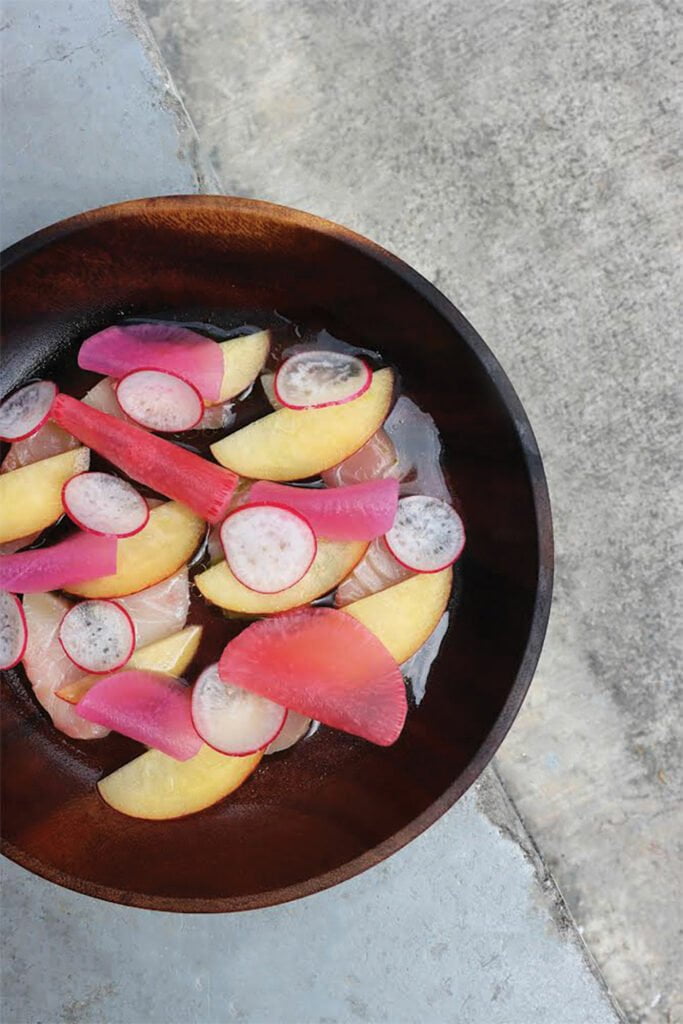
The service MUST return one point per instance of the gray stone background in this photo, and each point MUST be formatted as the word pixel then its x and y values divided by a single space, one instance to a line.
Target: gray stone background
pixel 525 156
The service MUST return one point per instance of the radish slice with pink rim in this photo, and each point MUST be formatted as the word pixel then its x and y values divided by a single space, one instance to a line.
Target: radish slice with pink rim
pixel 104 504
pixel 427 534
pixel 160 401
pixel 13 631
pixel 295 728
pixel 149 707
pixel 313 380
pixel 98 636
pixel 24 411
pixel 232 720
pixel 268 547
pixel 74 560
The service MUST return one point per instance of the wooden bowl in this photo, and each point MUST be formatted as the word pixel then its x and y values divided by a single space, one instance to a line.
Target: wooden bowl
pixel 334 805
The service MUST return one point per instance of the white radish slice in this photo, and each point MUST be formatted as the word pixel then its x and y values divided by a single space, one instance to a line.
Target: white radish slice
pixel 295 728
pixel 24 412
pixel 104 504
pixel 268 547
pixel 231 719
pixel 98 636
pixel 160 401
pixel 13 630
pixel 313 380
pixel 427 534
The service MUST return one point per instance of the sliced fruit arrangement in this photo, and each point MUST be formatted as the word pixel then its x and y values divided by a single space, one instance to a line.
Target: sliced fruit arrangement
pixel 374 540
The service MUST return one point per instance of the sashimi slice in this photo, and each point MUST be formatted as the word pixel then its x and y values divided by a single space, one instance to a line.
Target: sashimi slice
pixel 376 459
pixel 48 668
pixel 317 379
pixel 231 719
pixel 318 662
pixel 418 445
pixel 117 350
pixel 377 570
pixel 98 636
pixel 103 397
pixel 11 546
pixel 217 417
pixel 13 632
pixel 159 611
pixel 428 534
pixel 356 512
pixel 149 707
pixel 159 401
pixel 151 460
pixel 295 728
pixel 74 560
pixel 104 504
pixel 268 547
pixel 47 441
pixel 25 411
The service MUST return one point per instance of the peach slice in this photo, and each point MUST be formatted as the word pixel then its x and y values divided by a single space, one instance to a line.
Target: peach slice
pixel 244 359
pixel 31 496
pixel 292 444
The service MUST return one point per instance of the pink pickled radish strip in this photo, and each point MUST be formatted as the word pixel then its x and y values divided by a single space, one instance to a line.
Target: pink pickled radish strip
pixel 377 570
pixel 159 400
pixel 232 720
pixel 98 636
pixel 24 411
pixel 201 485
pixel 268 547
pixel 377 458
pixel 355 512
pixel 104 504
pixel 427 535
pixel 13 631
pixel 317 662
pixel 117 350
pixel 315 379
pixel 74 560
pixel 149 707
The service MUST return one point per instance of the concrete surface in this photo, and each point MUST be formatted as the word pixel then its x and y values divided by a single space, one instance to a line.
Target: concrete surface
pixel 526 157
pixel 464 926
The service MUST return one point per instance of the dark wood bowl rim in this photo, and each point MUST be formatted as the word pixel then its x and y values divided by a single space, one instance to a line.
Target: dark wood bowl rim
pixel 532 458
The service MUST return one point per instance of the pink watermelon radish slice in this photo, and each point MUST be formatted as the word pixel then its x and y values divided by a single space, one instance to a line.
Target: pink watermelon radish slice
pixel 268 547
pixel 13 631
pixel 375 460
pixel 74 560
pixel 295 728
pixel 232 720
pixel 98 636
pixel 159 610
pixel 428 534
pixel 104 504
pixel 377 570
pixel 316 661
pixel 356 512
pixel 314 379
pixel 118 350
pixel 159 401
pixel 24 411
pixel 149 707
pixel 151 460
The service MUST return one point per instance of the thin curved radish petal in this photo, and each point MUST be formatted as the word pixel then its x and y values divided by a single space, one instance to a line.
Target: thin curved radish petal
pixel 232 720
pixel 167 468
pixel 149 707
pixel 160 610
pixel 104 504
pixel 98 636
pixel 377 570
pixel 118 350
pixel 74 560
pixel 356 512
pixel 418 446
pixel 48 669
pixel 268 547
pixel 375 460
pixel 13 630
pixel 25 411
pixel 315 379
pixel 427 535
pixel 318 662
pixel 159 401
pixel 295 728
pixel 49 440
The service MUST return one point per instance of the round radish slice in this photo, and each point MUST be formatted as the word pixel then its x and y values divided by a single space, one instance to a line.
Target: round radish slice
pixel 232 720
pixel 24 412
pixel 427 534
pixel 268 547
pixel 98 636
pixel 13 631
pixel 104 504
pixel 295 728
pixel 160 401
pixel 316 379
